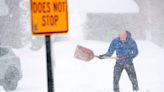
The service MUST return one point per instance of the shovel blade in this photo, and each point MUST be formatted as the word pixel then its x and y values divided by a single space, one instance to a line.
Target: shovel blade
pixel 83 53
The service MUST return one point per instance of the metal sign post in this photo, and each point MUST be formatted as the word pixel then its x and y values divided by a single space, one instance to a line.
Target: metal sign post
pixel 49 64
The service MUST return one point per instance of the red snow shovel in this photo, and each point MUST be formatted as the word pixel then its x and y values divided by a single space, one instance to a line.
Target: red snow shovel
pixel 86 54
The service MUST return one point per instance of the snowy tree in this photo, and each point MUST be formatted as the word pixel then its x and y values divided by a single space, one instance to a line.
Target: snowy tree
pixel 15 26
pixel 11 33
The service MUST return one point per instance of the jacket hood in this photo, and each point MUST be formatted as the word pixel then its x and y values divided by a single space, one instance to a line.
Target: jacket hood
pixel 128 34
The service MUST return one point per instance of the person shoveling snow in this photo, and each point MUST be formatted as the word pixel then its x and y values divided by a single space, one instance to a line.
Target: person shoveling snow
pixel 126 50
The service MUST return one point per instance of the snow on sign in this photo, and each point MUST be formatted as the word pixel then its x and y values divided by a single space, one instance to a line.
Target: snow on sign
pixel 49 16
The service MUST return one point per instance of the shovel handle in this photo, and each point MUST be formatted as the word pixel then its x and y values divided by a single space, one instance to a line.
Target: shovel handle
pixel 108 57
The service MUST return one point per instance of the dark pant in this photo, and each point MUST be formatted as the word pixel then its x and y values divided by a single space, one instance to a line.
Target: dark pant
pixel 118 68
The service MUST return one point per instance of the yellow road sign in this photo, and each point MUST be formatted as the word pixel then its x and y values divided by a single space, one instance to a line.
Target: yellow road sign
pixel 49 16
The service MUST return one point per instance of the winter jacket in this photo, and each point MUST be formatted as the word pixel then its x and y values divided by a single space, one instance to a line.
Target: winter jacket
pixel 126 51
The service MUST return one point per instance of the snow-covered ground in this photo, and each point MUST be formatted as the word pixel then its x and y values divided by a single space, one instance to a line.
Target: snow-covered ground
pixel 33 65
pixel 72 75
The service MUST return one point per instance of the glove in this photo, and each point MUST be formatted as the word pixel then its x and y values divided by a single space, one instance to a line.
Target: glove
pixel 100 56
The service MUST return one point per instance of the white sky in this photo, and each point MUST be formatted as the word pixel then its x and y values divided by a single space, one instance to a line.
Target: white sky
pixel 103 6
